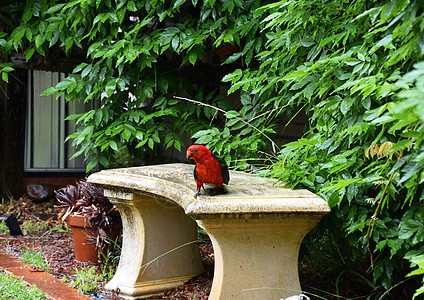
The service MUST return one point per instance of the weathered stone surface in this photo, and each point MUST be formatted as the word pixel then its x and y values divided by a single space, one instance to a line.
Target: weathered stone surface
pixel 245 193
pixel 256 228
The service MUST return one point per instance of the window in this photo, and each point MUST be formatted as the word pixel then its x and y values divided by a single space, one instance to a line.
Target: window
pixel 46 128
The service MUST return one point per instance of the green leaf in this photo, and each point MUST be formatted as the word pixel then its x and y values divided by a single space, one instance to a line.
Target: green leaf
pixel 7 69
pixel 126 134
pixel 103 161
pixel 151 143
pixel 234 76
pixel 155 137
pixel 50 91
pixel 346 105
pixel 178 3
pixel 295 74
pixel 18 33
pixel 39 40
pixel 192 57
pixel 308 42
pixel 26 15
pixel 55 8
pixel 233 58
pixel 29 54
pixel 78 153
pixel 131 6
pixel 4 76
pixel 200 133
pixel 386 41
pixel 93 47
pixel 139 135
pixel 141 144
pixel 113 145
pixel 91 164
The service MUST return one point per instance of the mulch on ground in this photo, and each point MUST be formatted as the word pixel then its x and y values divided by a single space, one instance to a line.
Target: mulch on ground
pixel 56 245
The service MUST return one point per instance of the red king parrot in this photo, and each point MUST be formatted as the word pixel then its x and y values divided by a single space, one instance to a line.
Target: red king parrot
pixel 209 169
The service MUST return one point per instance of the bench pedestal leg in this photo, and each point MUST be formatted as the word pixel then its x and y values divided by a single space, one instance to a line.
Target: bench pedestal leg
pixel 159 248
pixel 256 257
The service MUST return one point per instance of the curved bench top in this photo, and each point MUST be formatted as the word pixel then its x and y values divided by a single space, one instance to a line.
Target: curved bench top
pixel 246 194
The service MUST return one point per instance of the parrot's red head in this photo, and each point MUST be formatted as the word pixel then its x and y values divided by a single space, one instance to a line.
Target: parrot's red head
pixel 196 152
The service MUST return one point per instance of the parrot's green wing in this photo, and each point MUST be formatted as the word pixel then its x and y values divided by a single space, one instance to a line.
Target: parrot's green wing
pixel 224 169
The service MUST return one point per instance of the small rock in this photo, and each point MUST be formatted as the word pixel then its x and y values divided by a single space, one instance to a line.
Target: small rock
pixel 40 192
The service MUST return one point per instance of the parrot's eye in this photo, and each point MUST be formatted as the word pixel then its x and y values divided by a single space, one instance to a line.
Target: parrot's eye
pixel 195 150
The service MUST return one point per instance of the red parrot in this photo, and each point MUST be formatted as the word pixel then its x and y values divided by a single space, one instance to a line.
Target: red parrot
pixel 209 169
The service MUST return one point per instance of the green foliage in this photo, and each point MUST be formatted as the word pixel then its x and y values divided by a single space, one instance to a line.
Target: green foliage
pixel 35 258
pixel 355 68
pixel 417 260
pixel 135 52
pixel 110 259
pixel 6 205
pixel 4 71
pixel 12 287
pixel 28 226
pixel 4 230
pixel 86 279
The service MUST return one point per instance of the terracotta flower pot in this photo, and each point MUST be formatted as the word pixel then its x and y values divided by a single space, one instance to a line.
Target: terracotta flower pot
pixel 84 250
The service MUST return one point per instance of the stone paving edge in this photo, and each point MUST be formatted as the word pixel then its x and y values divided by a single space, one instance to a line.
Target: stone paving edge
pixel 52 286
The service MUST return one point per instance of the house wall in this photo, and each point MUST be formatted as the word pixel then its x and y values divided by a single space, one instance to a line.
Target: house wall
pixel 60 181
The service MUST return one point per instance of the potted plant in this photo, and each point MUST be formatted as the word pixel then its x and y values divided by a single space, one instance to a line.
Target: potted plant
pixel 93 219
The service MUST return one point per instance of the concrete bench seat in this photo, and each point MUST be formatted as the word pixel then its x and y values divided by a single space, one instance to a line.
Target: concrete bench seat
pixel 256 230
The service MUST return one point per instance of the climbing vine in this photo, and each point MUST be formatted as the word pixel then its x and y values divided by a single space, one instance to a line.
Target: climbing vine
pixel 356 68
pixel 135 56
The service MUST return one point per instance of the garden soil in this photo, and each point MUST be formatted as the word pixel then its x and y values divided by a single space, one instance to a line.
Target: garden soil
pixel 51 236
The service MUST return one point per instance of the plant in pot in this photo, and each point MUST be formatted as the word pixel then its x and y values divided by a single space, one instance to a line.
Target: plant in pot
pixel 93 219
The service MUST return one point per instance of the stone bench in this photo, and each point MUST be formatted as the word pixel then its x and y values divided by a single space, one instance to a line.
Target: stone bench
pixel 256 231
